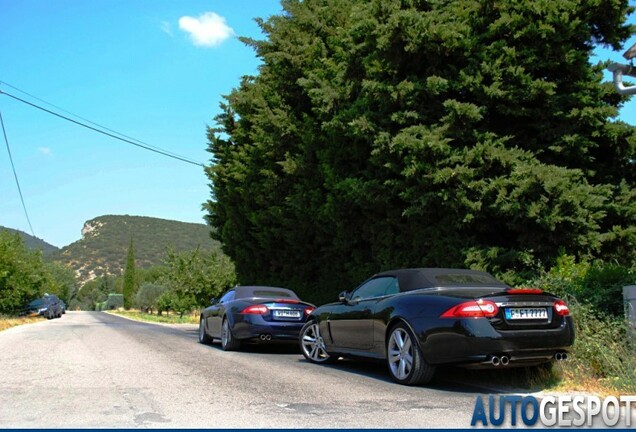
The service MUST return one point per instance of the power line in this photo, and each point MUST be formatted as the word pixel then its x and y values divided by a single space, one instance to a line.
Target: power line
pixel 6 140
pixel 112 135
pixel 85 119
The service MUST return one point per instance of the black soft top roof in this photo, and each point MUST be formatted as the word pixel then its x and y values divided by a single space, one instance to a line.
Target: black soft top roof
pixel 264 292
pixel 418 278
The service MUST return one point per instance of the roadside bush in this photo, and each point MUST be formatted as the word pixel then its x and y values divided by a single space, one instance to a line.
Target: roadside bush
pixel 148 295
pixel 597 284
pixel 604 351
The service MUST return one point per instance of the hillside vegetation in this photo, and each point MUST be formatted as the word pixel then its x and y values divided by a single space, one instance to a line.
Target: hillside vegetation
pixel 105 241
pixel 33 242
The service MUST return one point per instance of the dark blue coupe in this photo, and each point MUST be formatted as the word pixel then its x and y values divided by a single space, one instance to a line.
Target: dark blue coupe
pixel 253 314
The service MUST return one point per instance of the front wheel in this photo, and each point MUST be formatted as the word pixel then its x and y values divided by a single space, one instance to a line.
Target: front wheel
pixel 312 345
pixel 404 357
pixel 203 335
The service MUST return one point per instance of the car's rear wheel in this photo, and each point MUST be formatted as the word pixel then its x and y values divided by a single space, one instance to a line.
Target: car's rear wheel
pixel 404 357
pixel 203 335
pixel 228 343
pixel 312 345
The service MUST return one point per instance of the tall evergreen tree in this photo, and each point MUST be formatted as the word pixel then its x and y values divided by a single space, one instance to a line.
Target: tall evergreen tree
pixel 129 277
pixel 391 133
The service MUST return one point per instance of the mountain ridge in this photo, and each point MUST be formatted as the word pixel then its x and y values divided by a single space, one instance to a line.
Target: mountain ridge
pixel 105 240
pixel 32 242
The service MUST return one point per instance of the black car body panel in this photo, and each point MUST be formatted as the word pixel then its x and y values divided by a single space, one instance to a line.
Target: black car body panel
pixel 359 326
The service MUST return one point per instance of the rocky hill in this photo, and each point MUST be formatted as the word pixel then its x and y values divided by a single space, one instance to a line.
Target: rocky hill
pixel 33 242
pixel 105 240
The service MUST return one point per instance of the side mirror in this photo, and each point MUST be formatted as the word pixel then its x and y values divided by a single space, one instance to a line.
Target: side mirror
pixel 213 300
pixel 343 297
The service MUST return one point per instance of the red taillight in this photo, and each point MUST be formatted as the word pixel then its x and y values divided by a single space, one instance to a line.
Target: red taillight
pixel 472 309
pixel 255 310
pixel 524 291
pixel 561 308
pixel 309 310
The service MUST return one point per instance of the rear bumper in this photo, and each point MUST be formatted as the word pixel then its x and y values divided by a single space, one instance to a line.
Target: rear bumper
pixel 473 342
pixel 253 326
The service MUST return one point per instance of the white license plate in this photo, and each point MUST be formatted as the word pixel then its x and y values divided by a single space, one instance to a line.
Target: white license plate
pixel 286 314
pixel 526 313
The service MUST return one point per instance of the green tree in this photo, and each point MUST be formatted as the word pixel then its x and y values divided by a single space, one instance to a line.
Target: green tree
pixel 61 281
pixel 148 295
pixel 389 133
pixel 196 276
pixel 92 292
pixel 129 288
pixel 22 274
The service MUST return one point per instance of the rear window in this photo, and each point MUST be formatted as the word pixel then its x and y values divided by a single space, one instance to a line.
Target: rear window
pixel 264 292
pixel 273 294
pixel 466 279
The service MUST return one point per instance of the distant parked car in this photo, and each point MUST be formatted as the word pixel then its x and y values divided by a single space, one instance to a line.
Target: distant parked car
pixel 47 306
pixel 417 319
pixel 253 313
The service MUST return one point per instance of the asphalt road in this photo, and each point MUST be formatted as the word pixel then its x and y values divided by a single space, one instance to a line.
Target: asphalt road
pixel 92 369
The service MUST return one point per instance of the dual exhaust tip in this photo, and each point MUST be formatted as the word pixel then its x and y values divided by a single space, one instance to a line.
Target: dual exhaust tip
pixel 500 361
pixel 504 360
pixel 265 337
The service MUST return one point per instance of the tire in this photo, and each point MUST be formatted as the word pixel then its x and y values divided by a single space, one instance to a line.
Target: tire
pixel 204 338
pixel 311 344
pixel 228 343
pixel 404 357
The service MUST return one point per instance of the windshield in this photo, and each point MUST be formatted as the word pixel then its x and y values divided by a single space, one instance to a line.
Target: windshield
pixel 37 303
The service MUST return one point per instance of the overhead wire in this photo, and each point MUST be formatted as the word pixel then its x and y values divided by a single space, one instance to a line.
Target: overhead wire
pixel 85 119
pixel 15 174
pixel 96 128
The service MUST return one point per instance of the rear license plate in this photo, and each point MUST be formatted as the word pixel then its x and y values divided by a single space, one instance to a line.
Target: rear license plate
pixel 286 314
pixel 527 313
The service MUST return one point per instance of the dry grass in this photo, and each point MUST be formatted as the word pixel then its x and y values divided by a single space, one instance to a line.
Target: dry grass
pixel 12 321
pixel 166 319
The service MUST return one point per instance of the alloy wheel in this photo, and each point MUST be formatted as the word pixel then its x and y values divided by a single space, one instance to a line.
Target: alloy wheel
pixel 400 352
pixel 312 344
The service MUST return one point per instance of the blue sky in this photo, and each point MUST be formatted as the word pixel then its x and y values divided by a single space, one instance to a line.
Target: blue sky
pixel 152 69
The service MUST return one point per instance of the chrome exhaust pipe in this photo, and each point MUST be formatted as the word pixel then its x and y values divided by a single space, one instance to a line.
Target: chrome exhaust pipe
pixel 495 361
pixel 564 356
pixel 505 360
pixel 265 337
pixel 560 356
pixel 268 337
pixel 262 337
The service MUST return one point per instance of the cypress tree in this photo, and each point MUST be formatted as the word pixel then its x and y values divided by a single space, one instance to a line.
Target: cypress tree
pixel 129 277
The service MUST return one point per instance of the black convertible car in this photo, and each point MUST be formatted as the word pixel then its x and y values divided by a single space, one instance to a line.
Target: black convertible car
pixel 255 314
pixel 417 319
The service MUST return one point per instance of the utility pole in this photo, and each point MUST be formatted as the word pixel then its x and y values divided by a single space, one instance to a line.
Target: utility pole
pixel 619 69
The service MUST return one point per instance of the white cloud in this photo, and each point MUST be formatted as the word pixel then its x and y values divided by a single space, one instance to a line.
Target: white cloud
pixel 208 30
pixel 45 151
pixel 166 28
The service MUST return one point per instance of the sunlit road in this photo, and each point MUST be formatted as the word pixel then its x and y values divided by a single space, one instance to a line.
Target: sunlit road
pixel 92 369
